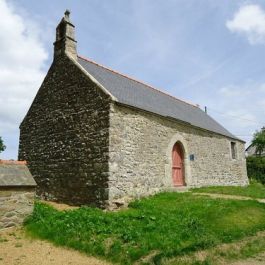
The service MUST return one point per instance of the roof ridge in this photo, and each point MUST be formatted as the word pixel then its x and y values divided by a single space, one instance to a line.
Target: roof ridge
pixel 12 162
pixel 135 80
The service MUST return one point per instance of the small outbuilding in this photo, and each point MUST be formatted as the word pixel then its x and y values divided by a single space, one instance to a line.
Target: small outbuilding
pixel 17 192
pixel 251 151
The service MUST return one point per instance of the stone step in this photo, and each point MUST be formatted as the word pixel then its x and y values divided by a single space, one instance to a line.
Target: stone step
pixel 178 189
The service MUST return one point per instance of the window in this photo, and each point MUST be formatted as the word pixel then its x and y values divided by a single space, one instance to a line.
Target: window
pixel 233 150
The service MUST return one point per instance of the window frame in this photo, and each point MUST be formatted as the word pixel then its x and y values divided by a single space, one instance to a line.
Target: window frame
pixel 233 150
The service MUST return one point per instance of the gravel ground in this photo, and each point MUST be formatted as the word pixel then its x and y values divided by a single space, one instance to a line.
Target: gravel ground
pixel 225 196
pixel 17 249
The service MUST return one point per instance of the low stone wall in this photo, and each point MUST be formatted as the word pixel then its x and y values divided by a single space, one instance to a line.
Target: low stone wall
pixel 15 206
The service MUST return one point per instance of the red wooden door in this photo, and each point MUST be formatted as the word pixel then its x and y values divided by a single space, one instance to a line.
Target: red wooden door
pixel 178 165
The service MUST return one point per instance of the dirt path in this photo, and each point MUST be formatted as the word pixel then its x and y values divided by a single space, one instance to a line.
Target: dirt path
pixel 259 260
pixel 224 254
pixel 17 249
pixel 60 206
pixel 226 196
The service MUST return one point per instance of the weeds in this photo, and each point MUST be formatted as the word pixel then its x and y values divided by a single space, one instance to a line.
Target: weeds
pixel 165 225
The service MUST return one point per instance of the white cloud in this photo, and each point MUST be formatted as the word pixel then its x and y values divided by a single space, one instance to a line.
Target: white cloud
pixel 240 108
pixel 262 88
pixel 249 20
pixel 22 58
pixel 230 91
pixel 242 119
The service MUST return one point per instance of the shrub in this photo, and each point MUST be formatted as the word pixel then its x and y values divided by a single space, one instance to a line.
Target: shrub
pixel 256 168
pixel 259 141
pixel 2 146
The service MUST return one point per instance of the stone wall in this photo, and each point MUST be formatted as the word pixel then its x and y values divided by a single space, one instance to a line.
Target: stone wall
pixel 15 205
pixel 140 154
pixel 64 137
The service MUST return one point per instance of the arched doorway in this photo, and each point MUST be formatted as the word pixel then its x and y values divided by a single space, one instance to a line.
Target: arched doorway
pixel 178 171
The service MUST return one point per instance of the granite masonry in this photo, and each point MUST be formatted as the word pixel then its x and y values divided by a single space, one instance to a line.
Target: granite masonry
pixel 140 161
pixel 96 137
pixel 17 193
pixel 65 136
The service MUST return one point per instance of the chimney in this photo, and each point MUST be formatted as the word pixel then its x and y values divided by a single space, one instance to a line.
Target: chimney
pixel 65 38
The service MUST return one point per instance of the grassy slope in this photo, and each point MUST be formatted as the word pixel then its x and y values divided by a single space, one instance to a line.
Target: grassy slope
pixel 247 248
pixel 254 190
pixel 165 225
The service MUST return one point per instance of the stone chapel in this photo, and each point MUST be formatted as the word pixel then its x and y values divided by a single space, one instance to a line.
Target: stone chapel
pixel 93 136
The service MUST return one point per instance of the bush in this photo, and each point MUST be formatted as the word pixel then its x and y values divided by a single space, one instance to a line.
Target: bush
pixel 2 146
pixel 256 168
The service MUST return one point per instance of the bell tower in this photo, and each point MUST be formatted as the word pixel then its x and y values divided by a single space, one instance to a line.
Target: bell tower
pixel 65 38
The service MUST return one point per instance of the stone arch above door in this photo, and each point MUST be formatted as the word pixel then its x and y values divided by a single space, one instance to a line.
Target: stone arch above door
pixel 168 165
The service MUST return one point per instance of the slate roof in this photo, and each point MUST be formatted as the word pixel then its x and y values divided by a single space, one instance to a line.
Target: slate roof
pixel 137 94
pixel 13 174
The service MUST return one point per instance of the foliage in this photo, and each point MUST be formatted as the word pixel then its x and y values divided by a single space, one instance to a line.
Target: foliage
pixel 2 146
pixel 259 141
pixel 254 190
pixel 165 225
pixel 256 168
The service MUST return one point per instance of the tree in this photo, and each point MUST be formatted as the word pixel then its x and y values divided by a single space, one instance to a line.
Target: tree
pixel 2 146
pixel 259 141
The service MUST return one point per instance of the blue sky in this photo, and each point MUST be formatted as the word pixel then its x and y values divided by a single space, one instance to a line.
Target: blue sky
pixel 208 52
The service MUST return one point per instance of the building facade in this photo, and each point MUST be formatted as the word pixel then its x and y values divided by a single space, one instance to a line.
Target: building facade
pixel 94 136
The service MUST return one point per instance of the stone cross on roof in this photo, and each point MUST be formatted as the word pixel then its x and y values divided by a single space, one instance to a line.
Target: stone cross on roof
pixel 65 42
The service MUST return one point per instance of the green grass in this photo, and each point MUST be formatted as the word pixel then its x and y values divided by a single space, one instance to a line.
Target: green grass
pixel 2 239
pixel 254 190
pixel 165 225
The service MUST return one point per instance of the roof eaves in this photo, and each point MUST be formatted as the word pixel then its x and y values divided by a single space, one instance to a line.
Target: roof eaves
pixel 18 185
pixel 93 79
pixel 179 121
pixel 13 162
